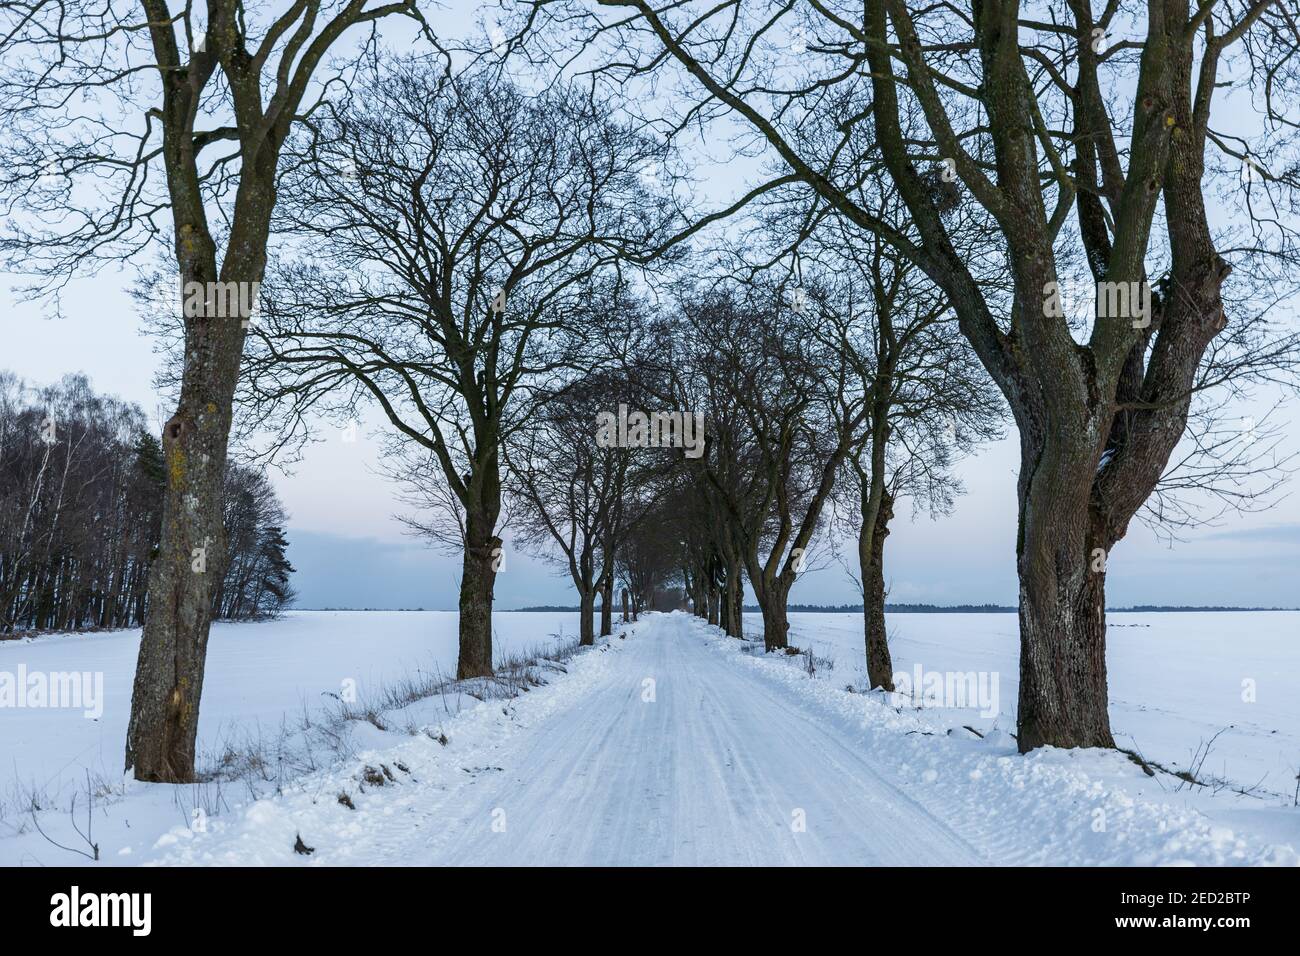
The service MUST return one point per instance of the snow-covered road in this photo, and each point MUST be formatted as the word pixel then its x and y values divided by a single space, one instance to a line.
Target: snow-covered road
pixel 680 757
pixel 678 745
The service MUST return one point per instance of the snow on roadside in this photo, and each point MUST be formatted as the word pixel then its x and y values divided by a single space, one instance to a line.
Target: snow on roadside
pixel 259 677
pixel 395 780
pixel 392 793
pixel 411 778
pixel 1051 807
pixel 1180 682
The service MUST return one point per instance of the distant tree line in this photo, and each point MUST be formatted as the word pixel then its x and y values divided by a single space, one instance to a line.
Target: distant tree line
pixel 81 492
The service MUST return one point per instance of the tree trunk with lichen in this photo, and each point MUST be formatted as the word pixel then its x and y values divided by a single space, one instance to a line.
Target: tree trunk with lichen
pixel 165 698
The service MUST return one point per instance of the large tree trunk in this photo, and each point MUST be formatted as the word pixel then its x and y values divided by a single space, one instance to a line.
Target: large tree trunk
pixel 713 605
pixel 478 578
pixel 1061 564
pixel 169 671
pixel 738 606
pixel 1068 531
pixel 733 599
pixel 587 616
pixel 191 549
pixel 871 559
pixel 776 623
pixel 877 506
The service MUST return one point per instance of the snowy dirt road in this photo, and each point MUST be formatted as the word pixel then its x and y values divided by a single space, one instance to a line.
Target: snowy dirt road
pixel 680 757
pixel 679 746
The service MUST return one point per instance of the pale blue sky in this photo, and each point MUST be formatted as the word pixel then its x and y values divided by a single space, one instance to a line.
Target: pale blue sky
pixel 350 551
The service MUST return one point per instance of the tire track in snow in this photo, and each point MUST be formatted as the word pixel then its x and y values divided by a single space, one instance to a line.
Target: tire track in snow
pixel 716 770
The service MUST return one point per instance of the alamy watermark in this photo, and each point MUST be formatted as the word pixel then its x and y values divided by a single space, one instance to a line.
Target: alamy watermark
pixel 637 429
pixel 1103 300
pixel 73 690
pixel 75 908
pixel 961 689
pixel 221 300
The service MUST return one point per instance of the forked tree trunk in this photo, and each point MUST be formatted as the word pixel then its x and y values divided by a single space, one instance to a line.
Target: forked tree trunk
pixel 169 672
pixel 871 559
pixel 478 579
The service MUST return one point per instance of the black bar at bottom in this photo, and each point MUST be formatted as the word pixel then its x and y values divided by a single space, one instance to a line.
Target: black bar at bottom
pixel 336 906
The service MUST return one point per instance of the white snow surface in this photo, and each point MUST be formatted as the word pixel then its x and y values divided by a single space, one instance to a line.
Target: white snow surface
pixel 1176 679
pixel 259 676
pixel 677 745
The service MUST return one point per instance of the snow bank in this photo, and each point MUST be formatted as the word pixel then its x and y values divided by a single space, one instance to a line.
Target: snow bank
pixel 385 793
pixel 1051 807
pixel 1176 680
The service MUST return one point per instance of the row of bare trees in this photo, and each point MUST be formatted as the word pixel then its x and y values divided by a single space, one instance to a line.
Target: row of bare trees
pixel 578 499
pixel 831 384
pixel 81 480
pixel 449 290
pixel 452 246
pixel 1082 140
pixel 457 250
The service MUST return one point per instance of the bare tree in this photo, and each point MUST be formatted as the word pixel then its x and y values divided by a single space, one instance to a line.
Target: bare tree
pixel 928 400
pixel 124 125
pixel 1071 144
pixel 455 231
pixel 570 490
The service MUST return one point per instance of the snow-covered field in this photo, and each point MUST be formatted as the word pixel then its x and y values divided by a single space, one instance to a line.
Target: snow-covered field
pixel 1176 679
pixel 259 677
pixel 735 758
